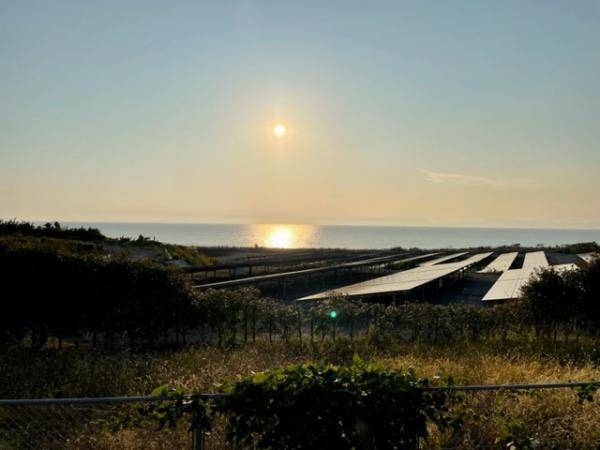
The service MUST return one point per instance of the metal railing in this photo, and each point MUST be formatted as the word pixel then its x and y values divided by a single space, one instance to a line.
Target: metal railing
pixel 110 423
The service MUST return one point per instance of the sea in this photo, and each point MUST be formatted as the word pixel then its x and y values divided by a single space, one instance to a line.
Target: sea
pixel 340 236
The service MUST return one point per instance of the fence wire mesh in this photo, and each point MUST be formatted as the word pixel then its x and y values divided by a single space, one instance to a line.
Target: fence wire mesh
pixel 116 423
pixel 95 426
pixel 102 426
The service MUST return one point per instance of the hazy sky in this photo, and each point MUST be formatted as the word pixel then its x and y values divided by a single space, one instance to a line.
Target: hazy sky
pixel 419 113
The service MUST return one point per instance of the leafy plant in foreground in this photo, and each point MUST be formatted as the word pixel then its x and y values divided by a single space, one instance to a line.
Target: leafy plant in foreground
pixel 516 436
pixel 326 406
pixel 362 406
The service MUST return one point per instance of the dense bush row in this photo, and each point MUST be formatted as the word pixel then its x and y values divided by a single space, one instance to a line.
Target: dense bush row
pixel 45 294
pixel 51 230
pixel 111 303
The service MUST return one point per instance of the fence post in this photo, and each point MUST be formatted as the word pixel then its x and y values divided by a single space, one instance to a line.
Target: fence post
pixel 198 439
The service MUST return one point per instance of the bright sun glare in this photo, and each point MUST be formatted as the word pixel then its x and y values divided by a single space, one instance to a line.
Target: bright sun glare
pixel 279 130
pixel 280 237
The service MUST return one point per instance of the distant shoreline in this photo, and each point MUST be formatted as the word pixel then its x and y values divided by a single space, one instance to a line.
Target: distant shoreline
pixel 328 225
pixel 351 237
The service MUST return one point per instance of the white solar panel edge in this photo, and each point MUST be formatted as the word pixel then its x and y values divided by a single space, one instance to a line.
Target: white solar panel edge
pixel 587 257
pixel 534 260
pixel 519 277
pixel 501 264
pixel 400 281
pixel 442 259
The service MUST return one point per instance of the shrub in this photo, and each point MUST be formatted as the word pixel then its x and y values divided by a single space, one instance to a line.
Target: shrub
pixel 566 300
pixel 53 230
pixel 325 406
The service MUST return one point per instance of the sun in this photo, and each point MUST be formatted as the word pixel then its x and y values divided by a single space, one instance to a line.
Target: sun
pixel 280 237
pixel 279 130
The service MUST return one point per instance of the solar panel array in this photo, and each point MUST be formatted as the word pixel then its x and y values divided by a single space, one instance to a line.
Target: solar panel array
pixel 443 258
pixel 403 281
pixel 509 285
pixel 501 264
pixel 383 260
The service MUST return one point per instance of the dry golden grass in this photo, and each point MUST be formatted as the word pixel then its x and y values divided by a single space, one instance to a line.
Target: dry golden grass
pixel 494 369
pixel 554 418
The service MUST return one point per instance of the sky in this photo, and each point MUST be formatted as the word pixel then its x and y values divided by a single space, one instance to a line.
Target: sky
pixel 439 113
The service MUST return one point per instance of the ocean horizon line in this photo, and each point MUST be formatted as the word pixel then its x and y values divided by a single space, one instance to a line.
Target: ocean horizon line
pixel 340 236
pixel 250 223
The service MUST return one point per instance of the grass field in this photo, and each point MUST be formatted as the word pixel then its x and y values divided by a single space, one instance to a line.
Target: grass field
pixel 553 419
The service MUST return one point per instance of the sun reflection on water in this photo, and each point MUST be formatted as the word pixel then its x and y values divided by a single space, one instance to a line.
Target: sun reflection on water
pixel 282 236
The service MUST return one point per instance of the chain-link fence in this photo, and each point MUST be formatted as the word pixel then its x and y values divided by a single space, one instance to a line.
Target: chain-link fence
pixel 123 423
pixel 99 424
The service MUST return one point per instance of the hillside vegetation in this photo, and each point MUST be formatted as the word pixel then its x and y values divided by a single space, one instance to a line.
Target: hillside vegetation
pixel 77 321
pixel 91 242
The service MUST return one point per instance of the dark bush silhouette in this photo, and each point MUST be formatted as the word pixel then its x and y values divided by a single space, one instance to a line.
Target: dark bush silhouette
pixel 52 230
pixel 45 293
pixel 566 301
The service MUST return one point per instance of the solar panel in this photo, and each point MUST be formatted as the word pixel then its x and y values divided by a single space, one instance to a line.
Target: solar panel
pixel 534 260
pixel 443 258
pixel 501 264
pixel 403 281
pixel 510 283
pixel 587 257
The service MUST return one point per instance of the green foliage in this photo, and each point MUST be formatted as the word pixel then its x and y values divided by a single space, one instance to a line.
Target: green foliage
pixel 338 407
pixel 549 298
pixel 586 393
pixel 325 406
pixel 177 406
pixel 516 436
pixel 47 293
pixel 565 301
pixel 61 247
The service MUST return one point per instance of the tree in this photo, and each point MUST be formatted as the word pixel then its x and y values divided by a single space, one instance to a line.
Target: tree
pixel 551 301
